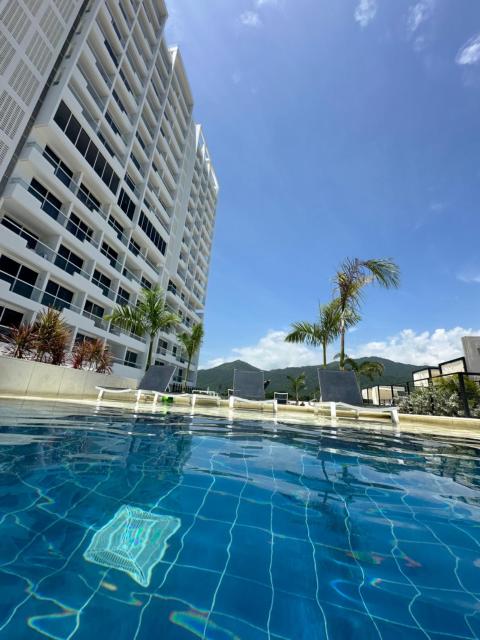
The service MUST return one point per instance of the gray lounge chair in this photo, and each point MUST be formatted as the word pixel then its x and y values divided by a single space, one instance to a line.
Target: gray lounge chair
pixel 249 386
pixel 156 380
pixel 339 389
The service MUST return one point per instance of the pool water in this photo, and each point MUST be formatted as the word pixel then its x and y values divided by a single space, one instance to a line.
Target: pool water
pixel 115 525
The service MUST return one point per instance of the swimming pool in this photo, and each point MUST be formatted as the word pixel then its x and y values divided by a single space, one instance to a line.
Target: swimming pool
pixel 115 525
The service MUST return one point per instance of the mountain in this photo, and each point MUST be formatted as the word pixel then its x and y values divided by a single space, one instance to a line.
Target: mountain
pixel 221 378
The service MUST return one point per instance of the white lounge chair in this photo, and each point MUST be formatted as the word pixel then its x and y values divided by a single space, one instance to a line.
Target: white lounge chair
pixel 249 387
pixel 340 390
pixel 156 381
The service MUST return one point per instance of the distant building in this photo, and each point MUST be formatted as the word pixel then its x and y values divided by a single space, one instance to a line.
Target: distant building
pixel 107 182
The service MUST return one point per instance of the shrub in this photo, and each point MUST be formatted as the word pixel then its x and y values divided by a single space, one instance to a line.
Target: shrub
pixel 21 341
pixel 92 355
pixel 53 337
pixel 438 400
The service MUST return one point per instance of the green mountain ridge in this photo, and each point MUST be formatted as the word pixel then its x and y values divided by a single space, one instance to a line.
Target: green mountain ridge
pixel 220 378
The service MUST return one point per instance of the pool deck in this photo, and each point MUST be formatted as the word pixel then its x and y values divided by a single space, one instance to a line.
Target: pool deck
pixel 287 414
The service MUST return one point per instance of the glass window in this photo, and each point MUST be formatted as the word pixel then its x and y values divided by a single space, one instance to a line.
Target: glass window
pixel 100 164
pixel 107 175
pixel 62 116
pixel 73 129
pixel 68 261
pixel 91 154
pixel 10 318
pixel 57 296
pixel 82 142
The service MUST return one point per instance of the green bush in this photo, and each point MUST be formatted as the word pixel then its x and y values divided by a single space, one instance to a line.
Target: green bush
pixel 433 400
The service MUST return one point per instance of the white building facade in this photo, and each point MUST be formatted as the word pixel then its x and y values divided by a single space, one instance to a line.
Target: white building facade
pixel 113 188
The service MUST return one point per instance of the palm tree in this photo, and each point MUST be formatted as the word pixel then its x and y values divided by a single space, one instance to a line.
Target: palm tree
pixel 191 343
pixel 320 333
pixel 368 368
pixel 350 280
pixel 147 318
pixel 297 384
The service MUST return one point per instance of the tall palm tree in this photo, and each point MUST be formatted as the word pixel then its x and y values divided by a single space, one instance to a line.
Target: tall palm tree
pixel 147 318
pixel 350 280
pixel 320 333
pixel 191 343
pixel 297 383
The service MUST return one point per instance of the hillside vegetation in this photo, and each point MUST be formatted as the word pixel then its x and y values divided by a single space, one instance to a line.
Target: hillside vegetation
pixel 221 378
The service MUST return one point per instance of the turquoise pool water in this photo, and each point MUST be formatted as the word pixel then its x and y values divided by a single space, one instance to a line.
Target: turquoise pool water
pixel 115 525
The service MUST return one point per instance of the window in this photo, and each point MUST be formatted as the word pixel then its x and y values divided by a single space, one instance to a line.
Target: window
pixel 111 52
pixel 150 231
pixel 146 284
pixel 162 347
pixel 109 253
pixel 124 78
pixel 136 162
pixel 83 141
pixel 57 296
pixel 73 129
pixel 130 359
pixel 172 287
pixel 94 309
pixel 115 28
pixel 68 123
pixel 21 278
pixel 21 231
pixel 123 296
pixel 140 140
pixel 78 228
pixel 130 182
pixel 112 123
pixel 103 140
pixel 102 281
pixel 62 171
pixel 49 203
pixel 113 222
pixel 92 153
pixel 68 261
pixel 134 247
pixel 62 116
pixel 119 102
pixel 88 199
pixel 126 204
pixel 10 318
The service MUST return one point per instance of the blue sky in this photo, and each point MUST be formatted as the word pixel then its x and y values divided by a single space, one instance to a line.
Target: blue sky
pixel 338 128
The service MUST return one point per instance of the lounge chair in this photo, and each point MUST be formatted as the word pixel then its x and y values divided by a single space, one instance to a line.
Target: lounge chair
pixel 155 380
pixel 339 389
pixel 249 386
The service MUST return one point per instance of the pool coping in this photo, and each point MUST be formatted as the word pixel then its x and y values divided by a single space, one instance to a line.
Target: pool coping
pixel 291 414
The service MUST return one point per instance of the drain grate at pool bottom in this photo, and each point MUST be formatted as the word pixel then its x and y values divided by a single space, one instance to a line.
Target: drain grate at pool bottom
pixel 133 541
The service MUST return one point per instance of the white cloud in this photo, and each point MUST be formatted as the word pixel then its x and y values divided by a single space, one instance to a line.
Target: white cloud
pixel 251 19
pixel 470 52
pixel 418 348
pixel 419 13
pixel 272 352
pixel 469 277
pixel 365 12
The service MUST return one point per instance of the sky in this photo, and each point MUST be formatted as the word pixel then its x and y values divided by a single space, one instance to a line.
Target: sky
pixel 338 128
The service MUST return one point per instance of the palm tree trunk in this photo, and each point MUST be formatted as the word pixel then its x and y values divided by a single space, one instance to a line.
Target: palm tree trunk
pixel 149 355
pixel 324 347
pixel 187 374
pixel 342 346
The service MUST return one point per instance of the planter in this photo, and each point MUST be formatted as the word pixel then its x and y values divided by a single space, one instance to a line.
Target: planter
pixel 27 378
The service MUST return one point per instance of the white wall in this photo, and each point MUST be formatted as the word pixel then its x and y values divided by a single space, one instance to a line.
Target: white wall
pixel 23 377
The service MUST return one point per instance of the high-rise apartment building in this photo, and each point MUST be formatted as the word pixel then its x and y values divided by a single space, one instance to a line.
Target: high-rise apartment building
pixel 112 189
